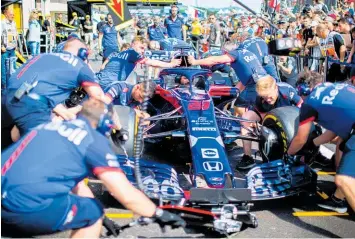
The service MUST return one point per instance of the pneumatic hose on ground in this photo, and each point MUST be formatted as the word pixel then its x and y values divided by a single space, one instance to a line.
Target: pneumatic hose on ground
pixel 139 143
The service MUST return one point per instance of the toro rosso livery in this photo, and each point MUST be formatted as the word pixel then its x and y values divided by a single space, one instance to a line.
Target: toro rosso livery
pixel 187 114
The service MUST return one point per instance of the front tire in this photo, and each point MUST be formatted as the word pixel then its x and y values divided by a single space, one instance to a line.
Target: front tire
pixel 284 122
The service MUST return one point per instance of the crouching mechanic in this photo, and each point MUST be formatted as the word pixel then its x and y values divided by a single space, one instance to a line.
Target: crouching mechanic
pixel 271 95
pixel 121 93
pixel 332 107
pixel 247 68
pixel 42 85
pixel 52 197
pixel 119 65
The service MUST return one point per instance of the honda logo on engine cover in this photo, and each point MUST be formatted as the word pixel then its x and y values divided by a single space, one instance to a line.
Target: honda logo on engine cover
pixel 210 153
pixel 213 166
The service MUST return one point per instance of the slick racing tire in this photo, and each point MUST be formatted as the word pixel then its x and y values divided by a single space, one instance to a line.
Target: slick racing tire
pixel 129 122
pixel 282 124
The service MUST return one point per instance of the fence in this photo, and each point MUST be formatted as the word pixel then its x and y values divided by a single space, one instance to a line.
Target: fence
pixel 323 63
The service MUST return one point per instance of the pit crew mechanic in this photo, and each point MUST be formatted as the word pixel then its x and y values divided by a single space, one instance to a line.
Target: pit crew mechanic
pixel 156 32
pixel 247 68
pixel 109 38
pixel 332 106
pixel 175 25
pixel 259 47
pixel 60 46
pixel 271 95
pixel 30 194
pixel 121 93
pixel 33 94
pixel 119 65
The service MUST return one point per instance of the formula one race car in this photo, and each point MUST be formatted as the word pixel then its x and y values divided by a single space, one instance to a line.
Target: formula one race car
pixel 217 197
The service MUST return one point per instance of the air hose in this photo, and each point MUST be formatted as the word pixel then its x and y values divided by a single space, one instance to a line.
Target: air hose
pixel 139 140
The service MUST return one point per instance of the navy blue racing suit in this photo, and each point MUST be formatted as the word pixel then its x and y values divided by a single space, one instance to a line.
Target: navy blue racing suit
pixel 109 39
pixel 248 69
pixel 121 94
pixel 120 65
pixel 39 172
pixel 332 106
pixel 54 76
pixel 259 47
pixel 287 97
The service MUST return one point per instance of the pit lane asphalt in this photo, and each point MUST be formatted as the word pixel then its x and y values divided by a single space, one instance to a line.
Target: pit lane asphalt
pixel 276 217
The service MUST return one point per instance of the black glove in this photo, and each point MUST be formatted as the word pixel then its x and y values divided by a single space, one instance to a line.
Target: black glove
pixel 120 136
pixel 164 218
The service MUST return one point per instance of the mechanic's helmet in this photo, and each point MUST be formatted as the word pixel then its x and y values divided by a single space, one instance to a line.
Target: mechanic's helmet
pixel 303 89
pixel 73 35
pixel 106 122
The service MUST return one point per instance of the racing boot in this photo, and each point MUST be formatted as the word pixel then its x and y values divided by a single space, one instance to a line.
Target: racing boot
pixel 334 204
pixel 246 162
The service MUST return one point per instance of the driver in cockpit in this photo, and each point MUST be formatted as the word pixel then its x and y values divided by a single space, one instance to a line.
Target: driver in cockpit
pixel 198 81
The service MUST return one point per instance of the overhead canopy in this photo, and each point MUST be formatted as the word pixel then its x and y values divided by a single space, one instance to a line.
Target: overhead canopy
pixel 6 3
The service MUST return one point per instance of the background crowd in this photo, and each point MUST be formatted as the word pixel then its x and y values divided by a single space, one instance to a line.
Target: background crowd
pixel 306 23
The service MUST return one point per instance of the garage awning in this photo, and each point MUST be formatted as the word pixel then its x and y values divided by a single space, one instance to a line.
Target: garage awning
pixel 6 3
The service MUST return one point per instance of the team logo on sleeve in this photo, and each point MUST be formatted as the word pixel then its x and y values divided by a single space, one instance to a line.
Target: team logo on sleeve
pixel 71 214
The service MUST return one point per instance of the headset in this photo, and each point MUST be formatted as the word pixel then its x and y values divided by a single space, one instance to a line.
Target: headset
pixel 176 7
pixel 83 53
pixel 303 88
pixel 104 126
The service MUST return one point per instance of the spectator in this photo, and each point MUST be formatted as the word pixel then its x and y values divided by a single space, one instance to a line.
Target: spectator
pixel 196 28
pixel 314 44
pixel 175 24
pixel 329 22
pixel 245 29
pixel 288 69
pixel 88 31
pixel 292 29
pixel 34 34
pixel 157 32
pixel 334 47
pixel 319 6
pixel 215 31
pixel 260 30
pixel 253 25
pixel 59 18
pixel 344 26
pixel 8 42
pixel 308 11
pixel 75 22
pixel 282 32
pixel 351 57
pixel 307 30
pixel 205 29
pixel 47 23
pixel 101 23
pixel 141 28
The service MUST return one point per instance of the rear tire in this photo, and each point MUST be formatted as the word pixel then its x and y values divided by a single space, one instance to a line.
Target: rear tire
pixel 129 122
